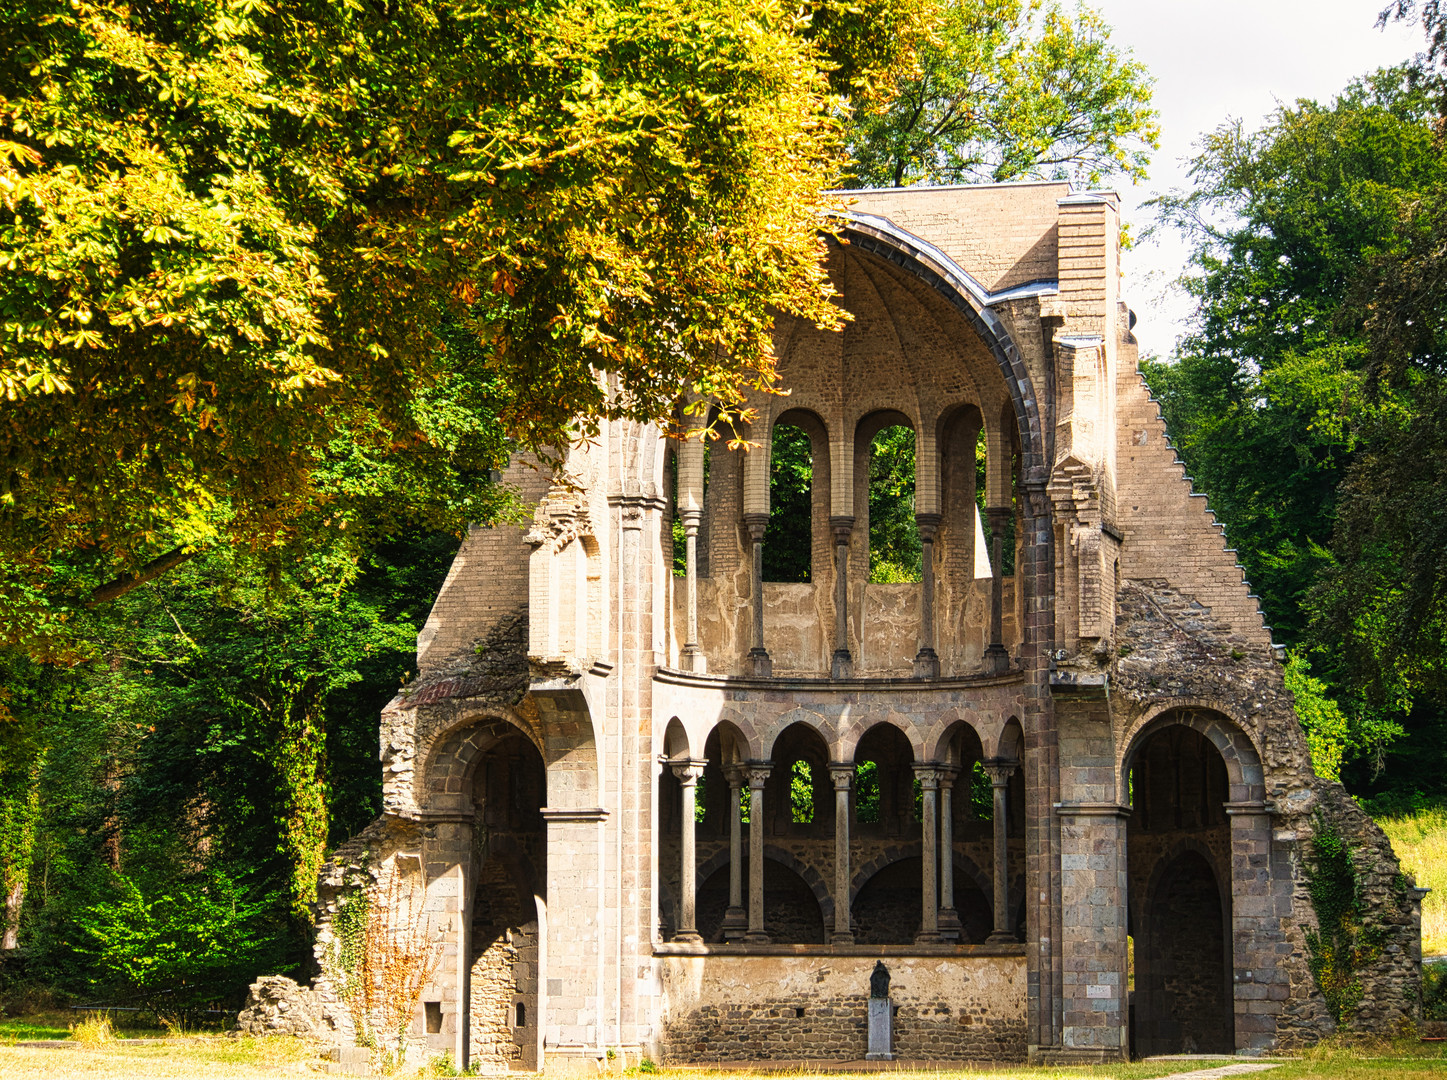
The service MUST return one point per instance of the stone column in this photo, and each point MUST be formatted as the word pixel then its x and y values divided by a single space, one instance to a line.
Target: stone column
pixel 929 928
pixel 927 661
pixel 842 773
pixel 759 664
pixel 842 666
pixel 736 918
pixel 1000 773
pixel 996 659
pixel 758 775
pixel 690 513
pixel 688 773
pixel 949 917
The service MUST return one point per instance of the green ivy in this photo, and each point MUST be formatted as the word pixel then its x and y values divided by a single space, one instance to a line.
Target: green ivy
pixel 1343 945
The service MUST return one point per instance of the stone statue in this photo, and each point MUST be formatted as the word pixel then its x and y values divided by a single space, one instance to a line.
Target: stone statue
pixel 879 981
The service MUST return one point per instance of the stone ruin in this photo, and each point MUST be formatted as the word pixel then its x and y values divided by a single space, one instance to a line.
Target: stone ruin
pixel 666 807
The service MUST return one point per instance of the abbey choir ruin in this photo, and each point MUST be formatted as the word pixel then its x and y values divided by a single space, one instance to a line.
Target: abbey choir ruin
pixel 652 803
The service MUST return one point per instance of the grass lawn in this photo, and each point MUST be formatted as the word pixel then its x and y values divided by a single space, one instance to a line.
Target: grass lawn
pixel 1420 841
pixel 262 1059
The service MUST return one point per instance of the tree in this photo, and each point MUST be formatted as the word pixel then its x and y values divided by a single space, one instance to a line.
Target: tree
pixel 1010 89
pixel 252 252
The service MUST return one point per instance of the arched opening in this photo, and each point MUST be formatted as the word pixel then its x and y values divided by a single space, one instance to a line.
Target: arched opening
pixel 894 544
pixel 792 915
pixel 1179 855
pixel 508 792
pixel 798 798
pixel 789 539
pixel 884 795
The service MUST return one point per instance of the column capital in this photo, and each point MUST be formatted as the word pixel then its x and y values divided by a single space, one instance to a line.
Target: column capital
pixel 999 513
pixel 842 773
pixel 757 524
pixel 929 525
pixel 928 773
pixel 735 774
pixel 843 525
pixel 691 520
pixel 999 771
pixel 949 773
pixel 758 773
pixel 688 772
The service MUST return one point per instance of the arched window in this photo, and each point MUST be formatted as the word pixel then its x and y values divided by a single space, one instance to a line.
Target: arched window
pixel 894 548
pixel 788 543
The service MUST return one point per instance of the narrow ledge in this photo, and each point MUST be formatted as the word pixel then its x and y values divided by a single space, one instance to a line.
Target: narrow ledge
pixel 677 677
pixel 679 948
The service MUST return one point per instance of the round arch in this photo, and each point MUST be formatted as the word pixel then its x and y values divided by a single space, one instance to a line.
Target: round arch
pixel 1235 745
pixel 451 757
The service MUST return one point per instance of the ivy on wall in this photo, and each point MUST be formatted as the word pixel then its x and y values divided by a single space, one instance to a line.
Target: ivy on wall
pixel 1343 945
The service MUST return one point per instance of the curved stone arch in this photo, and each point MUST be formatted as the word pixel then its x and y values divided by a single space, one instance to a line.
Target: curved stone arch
pixel 1235 745
pixel 450 756
pixel 797 715
pixel 972 870
pixel 730 735
pixel 881 238
pixel 677 746
pixel 938 742
pixel 848 739
pixel 1011 744
pixel 895 853
pixel 742 723
pixel 719 861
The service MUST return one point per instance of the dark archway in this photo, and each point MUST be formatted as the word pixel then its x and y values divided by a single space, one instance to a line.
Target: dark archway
pixel 508 792
pixel 1179 854
pixel 792 915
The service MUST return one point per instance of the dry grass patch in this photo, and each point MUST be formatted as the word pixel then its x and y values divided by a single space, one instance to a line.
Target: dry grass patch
pixel 210 1058
pixel 1420 841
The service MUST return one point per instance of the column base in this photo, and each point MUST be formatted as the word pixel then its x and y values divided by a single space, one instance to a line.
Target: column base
pixel 760 664
pixel 841 937
pixel 928 937
pixel 996 660
pixel 757 937
pixel 691 658
pixel 1002 937
pixel 926 664
pixel 688 937
pixel 950 926
pixel 842 666
pixel 735 924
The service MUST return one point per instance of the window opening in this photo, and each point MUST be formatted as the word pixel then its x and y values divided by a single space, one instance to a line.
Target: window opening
pixel 894 549
pixel 866 793
pixel 801 792
pixel 788 542
pixel 982 793
pixel 700 800
pixel 521 1015
pixel 432 1013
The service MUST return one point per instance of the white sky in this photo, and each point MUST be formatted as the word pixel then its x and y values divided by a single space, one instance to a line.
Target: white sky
pixel 1230 58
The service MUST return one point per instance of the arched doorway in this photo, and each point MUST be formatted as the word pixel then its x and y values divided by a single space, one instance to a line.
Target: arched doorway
pixel 508 791
pixel 1179 851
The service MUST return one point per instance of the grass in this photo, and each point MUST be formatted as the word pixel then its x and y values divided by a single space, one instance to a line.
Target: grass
pixel 220 1058
pixel 1420 841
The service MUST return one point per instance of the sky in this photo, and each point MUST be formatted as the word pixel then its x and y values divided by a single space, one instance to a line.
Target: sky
pixel 1229 58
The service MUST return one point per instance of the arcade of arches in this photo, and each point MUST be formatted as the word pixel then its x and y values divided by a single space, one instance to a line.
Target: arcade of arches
pixel 936 661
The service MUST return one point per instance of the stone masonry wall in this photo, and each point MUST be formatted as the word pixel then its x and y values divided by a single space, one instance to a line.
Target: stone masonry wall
pixel 781 1008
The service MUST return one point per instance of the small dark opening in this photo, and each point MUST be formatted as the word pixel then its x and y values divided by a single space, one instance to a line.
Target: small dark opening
pixel 522 1015
pixel 432 1011
pixel 799 1013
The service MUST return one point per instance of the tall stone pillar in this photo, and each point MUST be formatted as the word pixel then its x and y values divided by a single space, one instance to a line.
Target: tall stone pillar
pixel 1260 895
pixel 996 659
pixel 758 775
pixel 1093 883
pixel 927 661
pixel 736 918
pixel 949 917
pixel 929 928
pixel 688 773
pixel 1000 773
pixel 842 772
pixel 842 666
pixel 759 663
pixel 690 512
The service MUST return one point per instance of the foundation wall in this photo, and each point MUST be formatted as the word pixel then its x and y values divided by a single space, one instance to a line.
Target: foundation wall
pixel 815 1006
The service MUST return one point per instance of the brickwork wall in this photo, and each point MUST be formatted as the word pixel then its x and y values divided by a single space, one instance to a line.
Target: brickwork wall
pixel 781 1008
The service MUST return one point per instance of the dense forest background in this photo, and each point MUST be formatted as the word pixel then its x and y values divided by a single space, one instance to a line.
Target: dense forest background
pixel 178 753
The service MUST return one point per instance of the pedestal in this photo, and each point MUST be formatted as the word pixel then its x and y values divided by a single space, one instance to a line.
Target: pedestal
pixel 881 1030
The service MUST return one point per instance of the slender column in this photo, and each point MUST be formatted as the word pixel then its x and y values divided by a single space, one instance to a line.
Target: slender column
pixel 759 665
pixel 929 928
pixel 842 773
pixel 690 513
pixel 758 775
pixel 843 663
pixel 927 661
pixel 996 658
pixel 1000 773
pixel 688 773
pixel 736 919
pixel 949 917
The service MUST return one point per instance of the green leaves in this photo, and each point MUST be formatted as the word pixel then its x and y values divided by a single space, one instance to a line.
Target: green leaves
pixel 1009 90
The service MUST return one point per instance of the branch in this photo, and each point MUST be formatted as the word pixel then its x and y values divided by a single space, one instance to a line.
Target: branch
pixel 114 590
